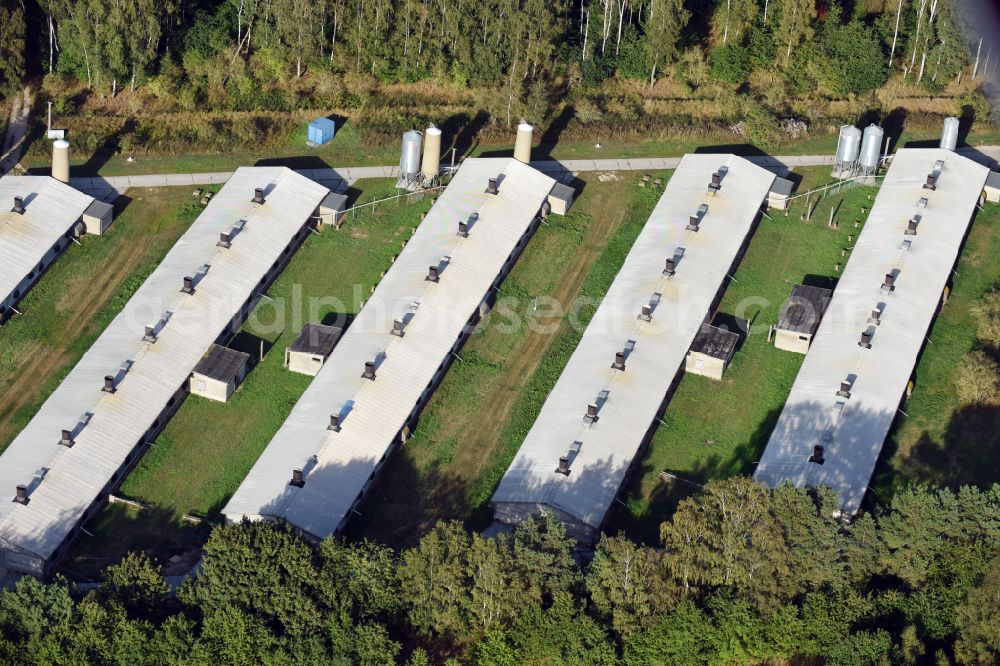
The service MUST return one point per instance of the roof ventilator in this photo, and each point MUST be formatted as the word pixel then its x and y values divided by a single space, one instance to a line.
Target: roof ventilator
pixel 591 416
pixel 149 334
pixel 646 313
pixel 225 240
pixel 619 363
pixel 66 439
pixel 297 479
pixel 188 287
pixel 433 274
pixel 845 389
pixel 22 495
pixel 334 423
pixel 875 318
pixel 931 183
pixel 258 195
pixel 109 384
pixel 369 370
pixel 563 466
pixel 491 186
pixel 397 328
pixel 866 340
pixel 911 226
pixel 817 455
pixel 889 284
pixel 18 206
pixel 715 184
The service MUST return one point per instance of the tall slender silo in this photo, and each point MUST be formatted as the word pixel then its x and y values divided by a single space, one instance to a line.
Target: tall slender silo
pixel 871 148
pixel 848 147
pixel 522 145
pixel 60 160
pixel 409 160
pixel 949 133
pixel 431 165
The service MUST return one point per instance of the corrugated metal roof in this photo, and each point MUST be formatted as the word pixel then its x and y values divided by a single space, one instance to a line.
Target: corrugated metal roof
pixel 373 412
pixel 51 208
pixel 804 309
pixel 853 429
pixel 316 339
pixel 221 363
pixel 600 454
pixel 62 481
pixel 715 342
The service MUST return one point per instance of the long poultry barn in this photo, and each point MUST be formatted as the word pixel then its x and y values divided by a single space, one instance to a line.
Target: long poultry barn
pixel 95 425
pixel 366 397
pixel 605 404
pixel 854 377
pixel 38 218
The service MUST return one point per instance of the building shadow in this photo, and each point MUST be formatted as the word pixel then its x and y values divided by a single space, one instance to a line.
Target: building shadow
pixel 741 149
pixel 108 149
pixel 465 133
pixel 297 162
pixel 550 137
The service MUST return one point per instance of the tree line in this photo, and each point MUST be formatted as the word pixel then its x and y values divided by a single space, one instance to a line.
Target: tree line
pixel 845 46
pixel 744 575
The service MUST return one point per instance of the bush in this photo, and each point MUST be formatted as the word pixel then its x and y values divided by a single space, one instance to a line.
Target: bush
pixel 987 315
pixel 854 60
pixel 977 379
pixel 730 64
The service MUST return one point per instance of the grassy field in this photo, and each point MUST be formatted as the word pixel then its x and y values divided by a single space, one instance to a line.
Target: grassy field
pixel 478 417
pixel 938 442
pixel 718 429
pixel 80 295
pixel 208 447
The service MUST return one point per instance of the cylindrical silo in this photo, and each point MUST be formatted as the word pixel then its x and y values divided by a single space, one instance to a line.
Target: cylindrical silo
pixel 871 148
pixel 522 145
pixel 949 135
pixel 432 153
pixel 409 161
pixel 60 160
pixel 849 145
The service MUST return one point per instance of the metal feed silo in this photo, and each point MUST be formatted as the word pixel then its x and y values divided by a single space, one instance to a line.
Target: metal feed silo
pixel 849 146
pixel 409 160
pixel 949 135
pixel 522 144
pixel 431 166
pixel 871 148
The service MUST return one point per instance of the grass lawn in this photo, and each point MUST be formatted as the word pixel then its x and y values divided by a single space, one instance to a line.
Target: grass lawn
pixel 208 447
pixel 478 417
pixel 718 429
pixel 939 442
pixel 79 296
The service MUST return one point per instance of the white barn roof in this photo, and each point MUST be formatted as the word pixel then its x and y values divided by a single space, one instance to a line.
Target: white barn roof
pixel 51 208
pixel 600 454
pixel 853 429
pixel 63 482
pixel 338 466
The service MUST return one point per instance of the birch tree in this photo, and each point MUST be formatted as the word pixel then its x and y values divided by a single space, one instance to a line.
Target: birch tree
pixel 664 22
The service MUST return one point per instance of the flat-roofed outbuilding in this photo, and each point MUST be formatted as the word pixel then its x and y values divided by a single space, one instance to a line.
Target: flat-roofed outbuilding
pixel 605 403
pixel 219 373
pixel 855 376
pixel 365 399
pixel 94 427
pixel 711 351
pixel 311 347
pixel 800 317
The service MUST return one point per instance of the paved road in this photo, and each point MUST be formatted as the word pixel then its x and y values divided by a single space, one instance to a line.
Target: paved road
pixel 340 177
pixel 17 127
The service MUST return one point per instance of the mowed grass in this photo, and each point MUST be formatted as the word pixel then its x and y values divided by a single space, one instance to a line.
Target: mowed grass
pixel 208 447
pixel 938 442
pixel 79 296
pixel 479 415
pixel 714 429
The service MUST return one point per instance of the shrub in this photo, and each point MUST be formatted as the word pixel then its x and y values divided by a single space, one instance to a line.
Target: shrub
pixel 987 315
pixel 854 60
pixel 977 379
pixel 730 64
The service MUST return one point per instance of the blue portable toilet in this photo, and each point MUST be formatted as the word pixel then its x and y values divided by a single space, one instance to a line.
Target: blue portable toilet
pixel 320 131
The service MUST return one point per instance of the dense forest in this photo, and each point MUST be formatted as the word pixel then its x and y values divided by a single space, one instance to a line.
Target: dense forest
pixel 745 575
pixel 713 63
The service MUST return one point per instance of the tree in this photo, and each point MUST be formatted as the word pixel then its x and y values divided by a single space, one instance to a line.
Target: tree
pixel 137 586
pixel 433 580
pixel 732 19
pixel 11 45
pixel 795 24
pixel 625 582
pixel 731 64
pixel 664 23
pixel 978 619
pixel 853 61
pixel 977 379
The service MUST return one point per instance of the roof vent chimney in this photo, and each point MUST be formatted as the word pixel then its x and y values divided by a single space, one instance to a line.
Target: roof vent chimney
pixel 433 274
pixel 693 222
pixel 369 370
pixel 646 313
pixel 563 466
pixel 22 495
pixel 866 340
pixel 188 287
pixel 671 267
pixel 150 334
pixel 619 363
pixel 18 206
pixel 225 240
pixel 297 480
pixel 716 183
pixel 931 183
pixel 463 228
pixel 109 384
pixel 334 423
pixel 66 439
pixel 491 187
pixel 258 195
pixel 890 282
pixel 845 389
pixel 397 328
pixel 817 456
pixel 911 227
pixel 876 317
pixel 591 415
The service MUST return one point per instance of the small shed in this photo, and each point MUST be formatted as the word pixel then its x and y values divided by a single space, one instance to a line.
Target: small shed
pixel 800 318
pixel 321 131
pixel 992 188
pixel 560 198
pixel 781 190
pixel 219 372
pixel 331 209
pixel 97 218
pixel 711 351
pixel 309 350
